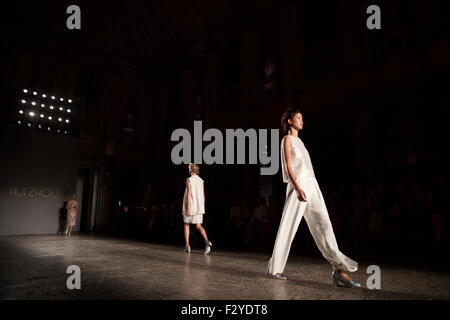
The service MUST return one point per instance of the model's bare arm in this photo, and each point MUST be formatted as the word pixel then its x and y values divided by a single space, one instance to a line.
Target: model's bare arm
pixel 288 157
pixel 188 198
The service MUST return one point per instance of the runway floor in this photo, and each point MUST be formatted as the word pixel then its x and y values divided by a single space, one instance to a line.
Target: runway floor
pixel 34 267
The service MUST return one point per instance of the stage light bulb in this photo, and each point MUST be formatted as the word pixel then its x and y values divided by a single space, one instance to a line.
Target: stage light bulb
pixel 50 118
pixel 48 128
pixel 25 91
pixel 39 126
pixel 65 132
pixel 61 108
pixel 59 119
pixel 23 101
pixel 43 105
pixel 33 103
pixel 44 96
pixel 53 97
pixel 70 101
pixel 68 110
pixel 31 114
pixel 61 99
pixel 42 115
pixel 29 124
pixel 67 120
pixel 19 122
pixel 51 107
pixel 35 93
pixel 59 130
pixel 21 111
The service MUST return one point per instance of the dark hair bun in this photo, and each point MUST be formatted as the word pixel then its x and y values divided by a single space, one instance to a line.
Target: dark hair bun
pixel 288 114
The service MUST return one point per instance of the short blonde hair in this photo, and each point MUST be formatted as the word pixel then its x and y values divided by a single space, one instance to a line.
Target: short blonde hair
pixel 193 168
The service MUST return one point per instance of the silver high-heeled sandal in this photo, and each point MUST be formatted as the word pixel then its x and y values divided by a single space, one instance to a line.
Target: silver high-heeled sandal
pixel 276 276
pixel 208 248
pixel 338 279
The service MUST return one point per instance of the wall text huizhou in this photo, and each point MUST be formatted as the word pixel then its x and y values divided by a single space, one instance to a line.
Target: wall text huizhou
pixel 33 192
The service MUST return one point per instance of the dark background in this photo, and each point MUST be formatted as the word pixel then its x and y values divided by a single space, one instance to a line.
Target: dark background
pixel 47 167
pixel 375 106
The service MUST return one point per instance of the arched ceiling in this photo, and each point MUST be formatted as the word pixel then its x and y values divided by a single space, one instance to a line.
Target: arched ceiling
pixel 145 32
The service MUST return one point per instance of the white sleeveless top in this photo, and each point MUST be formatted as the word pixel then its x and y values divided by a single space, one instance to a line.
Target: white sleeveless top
pixel 198 198
pixel 300 160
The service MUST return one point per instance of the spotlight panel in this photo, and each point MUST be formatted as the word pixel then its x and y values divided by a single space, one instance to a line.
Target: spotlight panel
pixel 58 119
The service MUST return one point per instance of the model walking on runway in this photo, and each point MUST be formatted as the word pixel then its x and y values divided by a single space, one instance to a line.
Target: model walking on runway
pixel 194 207
pixel 304 198
pixel 72 210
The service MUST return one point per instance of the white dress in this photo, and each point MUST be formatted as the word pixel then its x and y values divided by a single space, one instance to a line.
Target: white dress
pixel 197 201
pixel 314 211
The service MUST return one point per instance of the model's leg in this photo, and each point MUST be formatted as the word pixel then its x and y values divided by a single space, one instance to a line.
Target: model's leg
pixel 202 232
pixel 186 234
pixel 316 215
pixel 290 220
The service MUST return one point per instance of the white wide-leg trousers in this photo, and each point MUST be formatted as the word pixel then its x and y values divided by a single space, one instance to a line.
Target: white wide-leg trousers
pixel 316 216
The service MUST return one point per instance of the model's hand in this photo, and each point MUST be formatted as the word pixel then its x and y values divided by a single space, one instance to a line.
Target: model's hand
pixel 301 195
pixel 188 211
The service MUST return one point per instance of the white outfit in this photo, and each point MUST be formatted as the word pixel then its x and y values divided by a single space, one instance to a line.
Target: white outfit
pixel 197 201
pixel 314 210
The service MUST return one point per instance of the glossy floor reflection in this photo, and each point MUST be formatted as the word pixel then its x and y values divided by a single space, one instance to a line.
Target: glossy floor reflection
pixel 34 267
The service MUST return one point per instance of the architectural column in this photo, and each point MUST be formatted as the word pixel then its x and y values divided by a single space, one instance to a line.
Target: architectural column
pixel 291 43
pixel 212 87
pixel 145 117
pixel 17 68
pixel 72 76
pixel 60 79
pixel 252 69
pixel 187 98
pixel 427 11
pixel 355 36
pixel 161 118
pixel 107 106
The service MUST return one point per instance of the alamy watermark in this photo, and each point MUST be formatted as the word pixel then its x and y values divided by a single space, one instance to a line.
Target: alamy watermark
pixel 374 281
pixel 235 140
pixel 74 20
pixel 74 280
pixel 374 20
